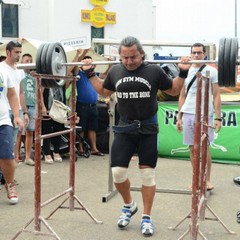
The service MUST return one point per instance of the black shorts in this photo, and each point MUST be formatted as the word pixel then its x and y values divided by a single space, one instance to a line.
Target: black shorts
pixel 126 145
pixel 88 114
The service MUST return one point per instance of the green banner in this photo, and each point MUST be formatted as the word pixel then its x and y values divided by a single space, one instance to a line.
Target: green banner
pixel 226 146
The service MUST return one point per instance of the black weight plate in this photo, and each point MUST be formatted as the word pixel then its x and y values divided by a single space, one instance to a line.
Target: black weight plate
pixel 226 72
pixel 233 62
pixel 54 59
pixel 221 61
pixel 45 82
pixel 38 59
pixel 43 58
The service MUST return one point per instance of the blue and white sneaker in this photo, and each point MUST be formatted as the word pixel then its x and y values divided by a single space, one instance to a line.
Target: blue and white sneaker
pixel 147 227
pixel 238 217
pixel 127 213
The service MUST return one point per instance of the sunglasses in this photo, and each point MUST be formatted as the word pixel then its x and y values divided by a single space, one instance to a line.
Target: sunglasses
pixel 16 43
pixel 197 53
pixel 13 44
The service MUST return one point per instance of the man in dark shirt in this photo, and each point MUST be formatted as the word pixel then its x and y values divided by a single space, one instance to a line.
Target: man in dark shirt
pixel 136 84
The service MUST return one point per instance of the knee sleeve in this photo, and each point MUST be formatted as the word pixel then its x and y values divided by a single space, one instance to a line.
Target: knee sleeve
pixel 119 174
pixel 148 176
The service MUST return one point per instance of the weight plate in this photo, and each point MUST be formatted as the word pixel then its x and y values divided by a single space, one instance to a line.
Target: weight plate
pixel 43 58
pixel 38 59
pixel 221 51
pixel 226 62
pixel 45 82
pixel 233 62
pixel 54 59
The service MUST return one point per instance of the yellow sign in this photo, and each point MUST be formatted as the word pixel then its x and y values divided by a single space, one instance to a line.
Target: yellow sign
pixel 98 17
pixel 99 2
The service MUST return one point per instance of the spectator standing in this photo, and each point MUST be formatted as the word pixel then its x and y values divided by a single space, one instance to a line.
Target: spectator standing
pixel 51 126
pixel 9 66
pixel 86 108
pixel 187 106
pixel 2 180
pixel 29 89
pixel 8 96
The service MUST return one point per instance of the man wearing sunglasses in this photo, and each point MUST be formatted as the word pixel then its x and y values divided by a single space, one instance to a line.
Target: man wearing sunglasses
pixel 187 105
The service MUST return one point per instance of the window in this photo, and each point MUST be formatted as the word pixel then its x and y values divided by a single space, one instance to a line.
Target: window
pixel 9 20
pixel 98 33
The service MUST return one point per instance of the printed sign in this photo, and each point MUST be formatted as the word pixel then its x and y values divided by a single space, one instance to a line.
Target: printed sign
pixel 74 42
pixel 98 17
pixel 99 2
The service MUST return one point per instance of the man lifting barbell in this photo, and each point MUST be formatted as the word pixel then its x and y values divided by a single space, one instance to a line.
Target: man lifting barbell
pixel 136 83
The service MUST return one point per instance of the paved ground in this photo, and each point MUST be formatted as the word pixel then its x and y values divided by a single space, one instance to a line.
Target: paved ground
pixel 92 187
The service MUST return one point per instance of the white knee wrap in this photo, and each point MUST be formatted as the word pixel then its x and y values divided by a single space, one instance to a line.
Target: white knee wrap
pixel 148 176
pixel 119 174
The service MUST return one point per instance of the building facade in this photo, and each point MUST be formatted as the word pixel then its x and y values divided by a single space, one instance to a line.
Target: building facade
pixel 76 22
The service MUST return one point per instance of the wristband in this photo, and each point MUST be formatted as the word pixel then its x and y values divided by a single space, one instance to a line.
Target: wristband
pixel 218 119
pixel 90 72
pixel 183 73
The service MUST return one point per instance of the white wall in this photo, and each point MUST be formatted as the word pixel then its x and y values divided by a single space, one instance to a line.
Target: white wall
pixel 135 18
pixel 33 21
pixel 55 20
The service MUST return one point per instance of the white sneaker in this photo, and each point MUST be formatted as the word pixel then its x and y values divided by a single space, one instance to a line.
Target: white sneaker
pixel 48 159
pixel 126 214
pixel 57 157
pixel 29 162
pixel 11 193
pixel 147 227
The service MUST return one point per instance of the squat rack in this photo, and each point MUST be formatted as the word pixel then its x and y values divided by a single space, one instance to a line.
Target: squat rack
pixel 38 219
pixel 199 176
pixel 199 194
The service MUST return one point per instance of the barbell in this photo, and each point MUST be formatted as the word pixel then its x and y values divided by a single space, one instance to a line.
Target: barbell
pixel 51 59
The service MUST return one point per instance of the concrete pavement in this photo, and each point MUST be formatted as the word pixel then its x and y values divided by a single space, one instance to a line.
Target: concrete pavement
pixel 91 186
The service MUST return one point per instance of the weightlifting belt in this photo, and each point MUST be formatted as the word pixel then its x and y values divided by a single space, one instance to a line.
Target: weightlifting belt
pixel 129 126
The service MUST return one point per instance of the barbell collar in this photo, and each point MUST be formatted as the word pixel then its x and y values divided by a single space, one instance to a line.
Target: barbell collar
pixel 26 66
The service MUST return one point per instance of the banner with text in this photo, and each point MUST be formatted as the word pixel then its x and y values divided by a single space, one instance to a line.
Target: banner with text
pixel 226 146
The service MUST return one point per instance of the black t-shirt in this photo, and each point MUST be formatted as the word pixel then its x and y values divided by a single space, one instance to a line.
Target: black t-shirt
pixel 136 90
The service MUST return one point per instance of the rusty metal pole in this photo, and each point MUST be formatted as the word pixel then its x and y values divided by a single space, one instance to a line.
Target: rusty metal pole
pixel 204 151
pixel 196 160
pixel 72 146
pixel 37 167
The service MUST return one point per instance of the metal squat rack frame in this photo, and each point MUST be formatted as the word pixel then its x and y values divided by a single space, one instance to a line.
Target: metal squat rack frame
pixel 199 194
pixel 38 219
pixel 200 169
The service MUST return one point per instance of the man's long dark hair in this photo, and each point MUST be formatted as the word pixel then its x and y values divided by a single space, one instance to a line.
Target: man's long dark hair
pixel 129 42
